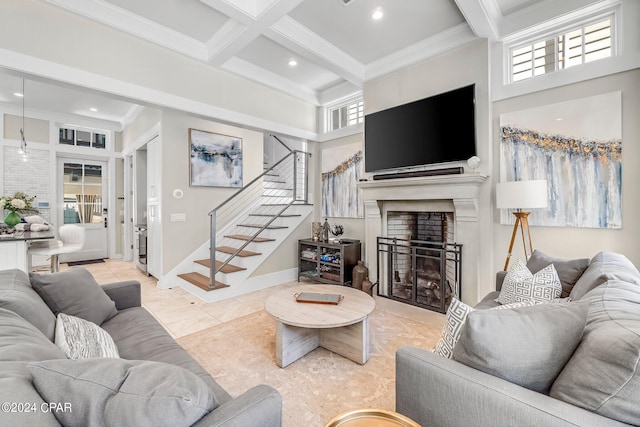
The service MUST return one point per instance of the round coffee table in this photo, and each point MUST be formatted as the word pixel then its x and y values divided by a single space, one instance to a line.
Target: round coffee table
pixel 302 327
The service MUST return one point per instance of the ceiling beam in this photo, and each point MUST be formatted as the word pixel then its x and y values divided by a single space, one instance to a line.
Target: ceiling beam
pixel 298 38
pixel 116 17
pixel 483 16
pixel 253 18
pixel 258 74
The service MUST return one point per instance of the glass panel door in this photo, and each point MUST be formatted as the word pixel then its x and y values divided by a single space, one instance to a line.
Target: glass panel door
pixel 84 193
pixel 82 190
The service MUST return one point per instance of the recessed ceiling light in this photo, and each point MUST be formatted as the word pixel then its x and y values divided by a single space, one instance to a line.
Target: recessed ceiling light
pixel 293 63
pixel 18 94
pixel 94 109
pixel 377 14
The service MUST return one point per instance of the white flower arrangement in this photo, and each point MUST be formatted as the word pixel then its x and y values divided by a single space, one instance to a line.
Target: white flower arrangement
pixel 20 203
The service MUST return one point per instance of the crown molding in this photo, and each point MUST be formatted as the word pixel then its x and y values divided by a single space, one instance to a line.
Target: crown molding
pixel 65 74
pixel 119 18
pixel 440 43
pixel 258 74
pixel 57 117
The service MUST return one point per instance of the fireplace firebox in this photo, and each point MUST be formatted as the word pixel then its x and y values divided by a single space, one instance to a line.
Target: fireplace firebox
pixel 419 272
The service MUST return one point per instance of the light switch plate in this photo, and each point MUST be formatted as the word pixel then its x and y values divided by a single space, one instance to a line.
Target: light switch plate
pixel 178 217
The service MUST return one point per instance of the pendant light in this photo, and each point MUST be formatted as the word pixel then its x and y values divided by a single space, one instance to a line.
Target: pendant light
pixel 23 141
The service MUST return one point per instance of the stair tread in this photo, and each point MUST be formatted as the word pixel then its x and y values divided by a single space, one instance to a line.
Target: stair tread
pixel 245 237
pixel 270 227
pixel 230 250
pixel 274 215
pixel 229 268
pixel 202 281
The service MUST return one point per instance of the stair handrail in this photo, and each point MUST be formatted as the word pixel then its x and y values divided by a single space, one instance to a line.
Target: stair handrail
pixel 280 141
pixel 245 244
pixel 213 213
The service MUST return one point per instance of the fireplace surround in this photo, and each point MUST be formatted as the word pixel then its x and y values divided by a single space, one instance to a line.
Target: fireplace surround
pixel 455 194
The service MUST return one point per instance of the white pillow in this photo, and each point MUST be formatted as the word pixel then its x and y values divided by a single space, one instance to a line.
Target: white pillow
pixel 521 285
pixel 34 219
pixel 456 318
pixel 81 339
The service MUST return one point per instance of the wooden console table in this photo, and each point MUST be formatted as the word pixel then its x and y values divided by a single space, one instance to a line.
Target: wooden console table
pixel 327 262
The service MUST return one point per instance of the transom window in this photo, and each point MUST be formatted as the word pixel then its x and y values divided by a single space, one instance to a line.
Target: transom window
pixel 347 114
pixel 568 48
pixel 83 137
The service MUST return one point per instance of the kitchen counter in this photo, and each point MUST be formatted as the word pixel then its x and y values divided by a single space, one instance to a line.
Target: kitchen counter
pixel 13 248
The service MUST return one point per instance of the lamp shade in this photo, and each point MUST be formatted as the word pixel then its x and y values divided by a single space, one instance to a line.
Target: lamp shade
pixel 522 194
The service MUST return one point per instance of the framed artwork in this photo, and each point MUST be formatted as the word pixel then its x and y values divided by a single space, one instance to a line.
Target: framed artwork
pixel 215 159
pixel 341 170
pixel 577 147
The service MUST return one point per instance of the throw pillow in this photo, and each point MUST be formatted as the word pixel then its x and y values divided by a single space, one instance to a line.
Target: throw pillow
pixel 119 392
pixel 521 285
pixel 81 339
pixel 527 346
pixel 74 292
pixel 455 319
pixel 603 375
pixel 569 271
pixel 22 341
pixel 17 295
pixel 456 316
pixel 605 266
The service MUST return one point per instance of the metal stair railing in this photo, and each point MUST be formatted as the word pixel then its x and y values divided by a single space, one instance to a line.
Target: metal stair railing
pixel 261 202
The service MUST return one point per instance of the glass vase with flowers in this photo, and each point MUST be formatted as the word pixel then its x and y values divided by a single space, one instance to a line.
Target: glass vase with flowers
pixel 19 204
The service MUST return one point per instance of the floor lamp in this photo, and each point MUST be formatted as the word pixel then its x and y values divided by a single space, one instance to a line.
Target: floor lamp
pixel 521 195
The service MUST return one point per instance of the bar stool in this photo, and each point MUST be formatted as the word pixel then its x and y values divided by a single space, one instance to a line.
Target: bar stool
pixel 72 238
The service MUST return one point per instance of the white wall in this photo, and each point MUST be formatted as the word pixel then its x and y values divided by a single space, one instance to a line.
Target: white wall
pixel 180 239
pixel 583 242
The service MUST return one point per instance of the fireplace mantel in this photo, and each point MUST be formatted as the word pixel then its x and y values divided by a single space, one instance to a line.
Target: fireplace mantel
pixel 461 190
pixel 449 186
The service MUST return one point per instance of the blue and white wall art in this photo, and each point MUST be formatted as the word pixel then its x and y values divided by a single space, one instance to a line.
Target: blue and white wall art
pixel 341 170
pixel 216 160
pixel 577 147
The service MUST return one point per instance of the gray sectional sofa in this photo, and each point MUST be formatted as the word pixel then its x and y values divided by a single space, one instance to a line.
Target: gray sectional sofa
pixel 599 385
pixel 156 381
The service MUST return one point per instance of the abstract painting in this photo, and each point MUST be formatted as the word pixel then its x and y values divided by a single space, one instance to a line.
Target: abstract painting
pixel 577 147
pixel 216 160
pixel 341 170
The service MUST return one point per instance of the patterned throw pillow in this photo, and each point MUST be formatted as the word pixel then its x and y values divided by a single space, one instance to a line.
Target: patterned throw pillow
pixel 456 317
pixel 521 285
pixel 81 339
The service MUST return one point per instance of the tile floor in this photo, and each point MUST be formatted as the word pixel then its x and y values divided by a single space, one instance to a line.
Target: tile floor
pixel 182 313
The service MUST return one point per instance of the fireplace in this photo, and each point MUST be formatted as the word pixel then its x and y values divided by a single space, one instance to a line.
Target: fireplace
pixel 419 260
pixel 452 201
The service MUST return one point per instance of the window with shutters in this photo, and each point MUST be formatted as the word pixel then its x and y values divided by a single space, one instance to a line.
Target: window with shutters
pixel 347 114
pixel 570 47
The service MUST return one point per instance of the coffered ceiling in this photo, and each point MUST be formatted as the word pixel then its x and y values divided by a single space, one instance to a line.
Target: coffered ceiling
pixel 320 51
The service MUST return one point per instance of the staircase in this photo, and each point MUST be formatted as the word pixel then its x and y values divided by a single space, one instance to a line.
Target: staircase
pixel 250 225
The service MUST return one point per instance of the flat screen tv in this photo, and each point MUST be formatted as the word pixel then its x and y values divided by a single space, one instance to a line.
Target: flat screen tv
pixel 438 129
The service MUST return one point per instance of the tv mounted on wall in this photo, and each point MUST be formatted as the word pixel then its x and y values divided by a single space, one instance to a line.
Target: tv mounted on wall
pixel 437 129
